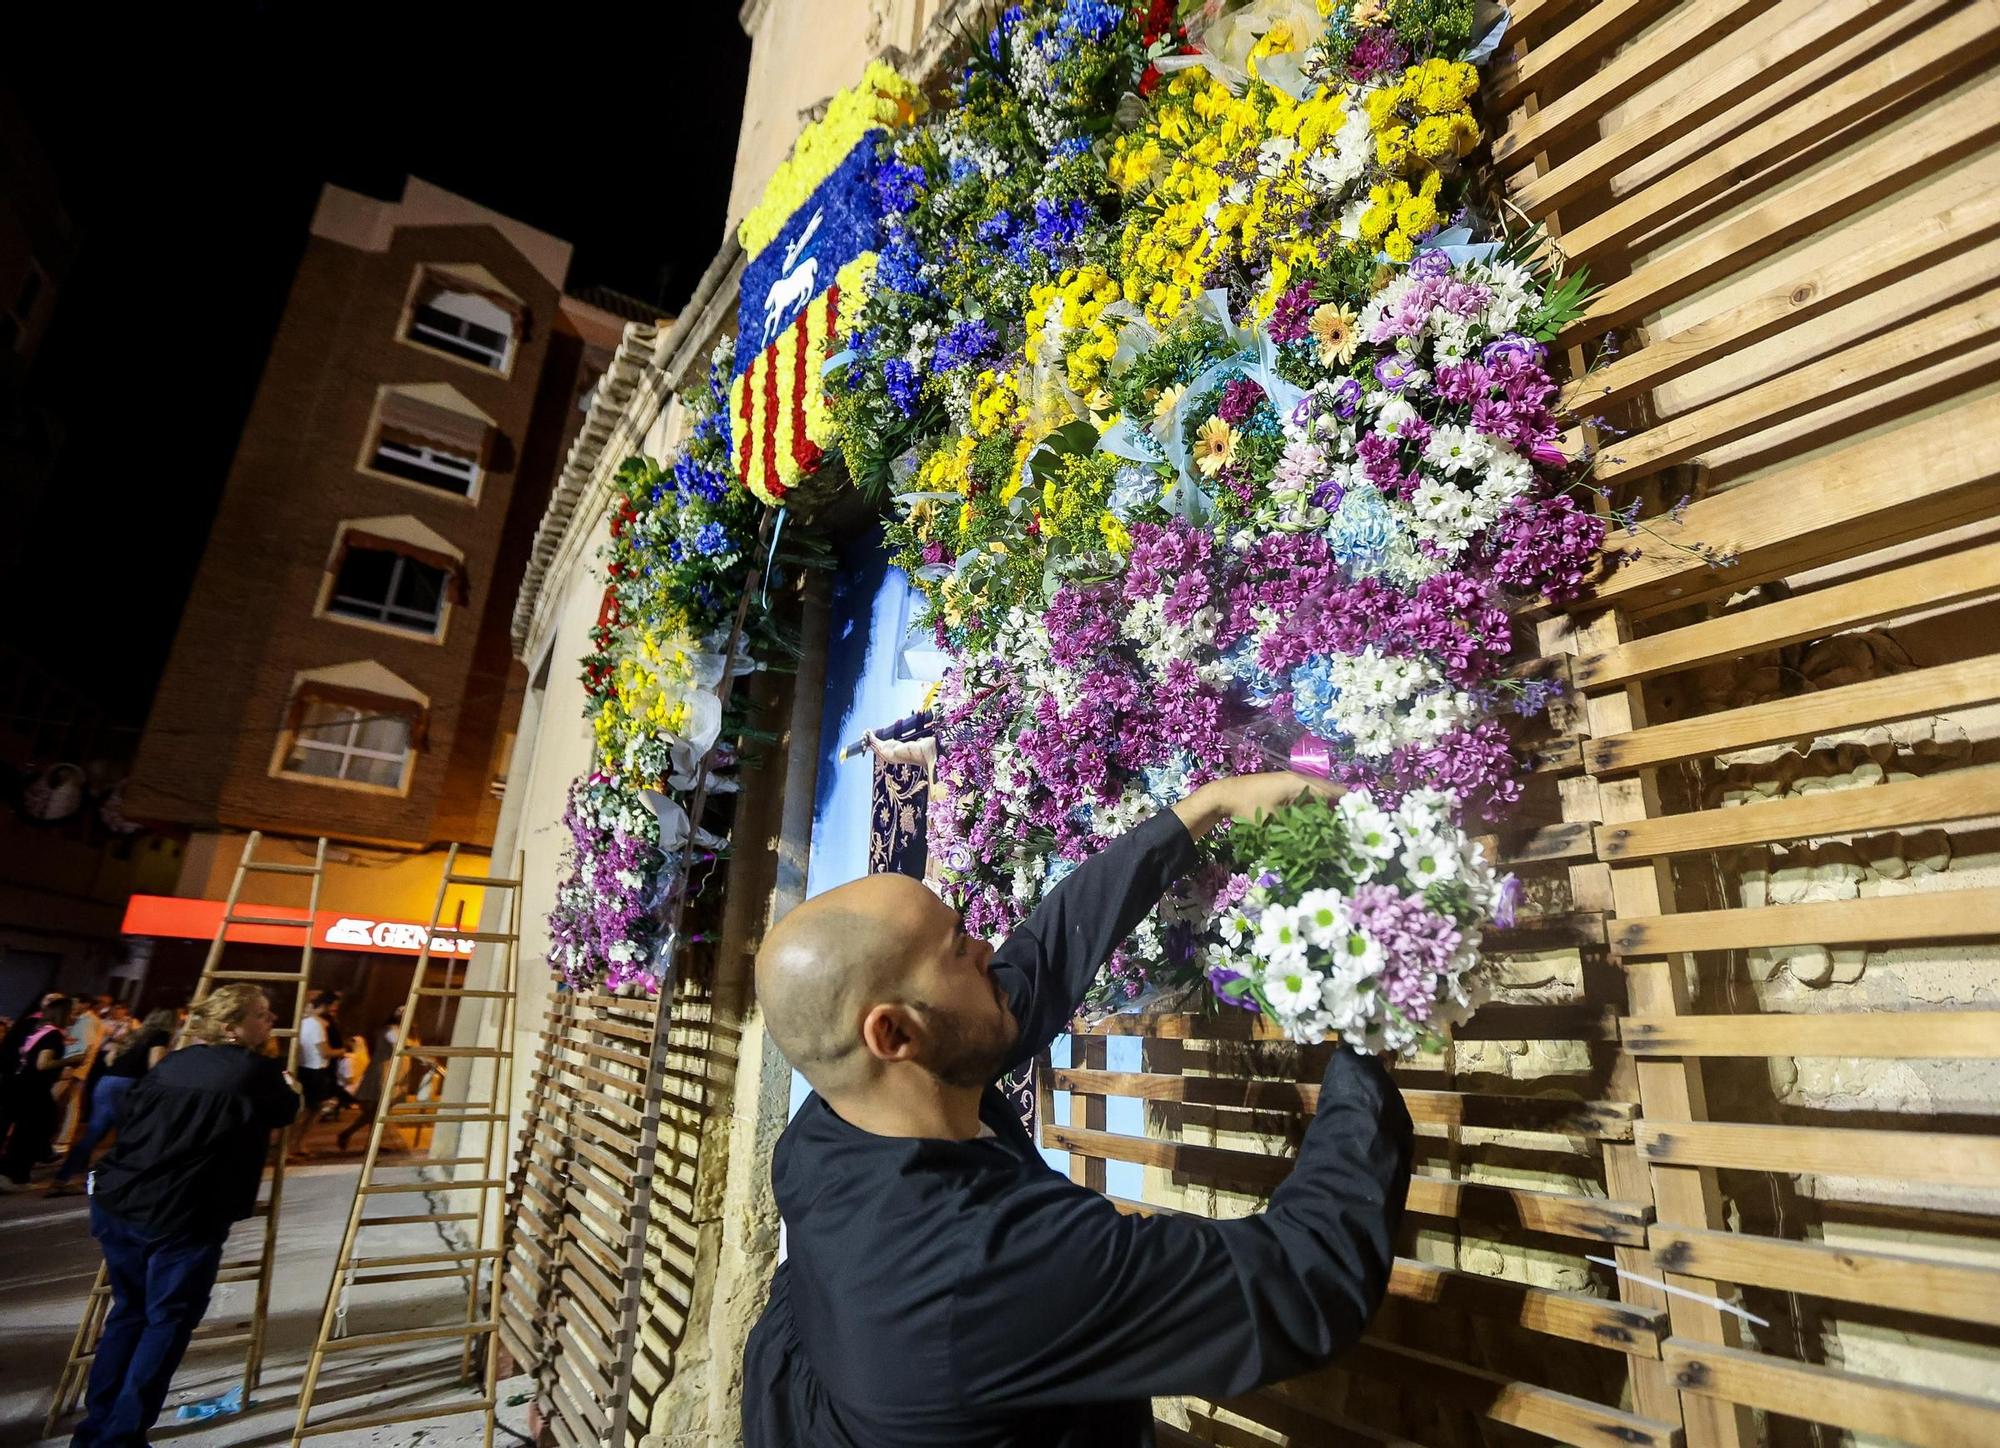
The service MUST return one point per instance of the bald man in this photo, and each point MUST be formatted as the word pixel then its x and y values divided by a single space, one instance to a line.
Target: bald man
pixel 945 1289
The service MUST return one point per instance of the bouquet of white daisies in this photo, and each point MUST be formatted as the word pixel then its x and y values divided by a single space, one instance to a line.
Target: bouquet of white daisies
pixel 1352 921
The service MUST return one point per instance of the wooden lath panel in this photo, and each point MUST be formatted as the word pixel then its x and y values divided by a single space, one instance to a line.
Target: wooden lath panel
pixel 1440 1296
pixel 1793 208
pixel 1927 1416
pixel 1598 1321
pixel 1902 1036
pixel 567 1281
pixel 1908 482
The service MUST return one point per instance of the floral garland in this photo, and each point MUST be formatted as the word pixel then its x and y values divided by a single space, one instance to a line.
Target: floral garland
pixel 680 538
pixel 881 99
pixel 1246 464
pixel 992 194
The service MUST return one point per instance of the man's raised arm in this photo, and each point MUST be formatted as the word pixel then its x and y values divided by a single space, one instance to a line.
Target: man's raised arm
pixel 1074 1302
pixel 1051 958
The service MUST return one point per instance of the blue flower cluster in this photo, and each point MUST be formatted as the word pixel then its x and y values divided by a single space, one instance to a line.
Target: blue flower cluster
pixel 1172 781
pixel 1362 532
pixel 897 184
pixel 1314 695
pixel 693 475
pixel 1058 227
pixel 900 266
pixel 967 345
pixel 903 384
pixel 982 200
pixel 1088 19
pixel 1260 686
pixel 1009 18
pixel 695 479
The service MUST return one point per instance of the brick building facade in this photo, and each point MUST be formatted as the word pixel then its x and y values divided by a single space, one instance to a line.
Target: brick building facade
pixel 343 665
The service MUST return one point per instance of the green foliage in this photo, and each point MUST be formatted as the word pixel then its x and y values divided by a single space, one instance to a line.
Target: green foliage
pixel 1072 439
pixel 1186 351
pixel 1560 305
pixel 1296 842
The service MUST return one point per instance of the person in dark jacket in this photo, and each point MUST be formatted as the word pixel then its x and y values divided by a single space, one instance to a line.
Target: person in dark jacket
pixel 191 1146
pixel 32 1107
pixel 944 1286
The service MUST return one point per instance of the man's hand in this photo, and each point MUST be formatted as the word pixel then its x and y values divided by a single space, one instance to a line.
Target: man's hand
pixel 1245 795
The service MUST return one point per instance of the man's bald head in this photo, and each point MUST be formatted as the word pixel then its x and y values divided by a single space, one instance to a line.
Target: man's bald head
pixel 831 958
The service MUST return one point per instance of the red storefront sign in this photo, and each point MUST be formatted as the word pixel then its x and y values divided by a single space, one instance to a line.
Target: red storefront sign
pixel 187 919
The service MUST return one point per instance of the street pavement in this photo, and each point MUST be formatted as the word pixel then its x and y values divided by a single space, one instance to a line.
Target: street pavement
pixel 48 1260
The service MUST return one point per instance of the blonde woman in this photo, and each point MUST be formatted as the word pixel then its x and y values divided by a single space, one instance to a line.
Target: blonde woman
pixel 192 1141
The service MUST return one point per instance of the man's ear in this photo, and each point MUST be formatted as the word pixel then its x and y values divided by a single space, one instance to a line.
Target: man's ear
pixel 890 1032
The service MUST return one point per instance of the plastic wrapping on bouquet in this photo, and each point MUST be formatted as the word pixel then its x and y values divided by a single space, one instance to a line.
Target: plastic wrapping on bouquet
pixel 660 962
pixel 1285 745
pixel 1312 755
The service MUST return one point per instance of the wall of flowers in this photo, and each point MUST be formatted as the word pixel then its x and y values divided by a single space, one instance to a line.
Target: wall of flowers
pixel 1207 396
pixel 681 541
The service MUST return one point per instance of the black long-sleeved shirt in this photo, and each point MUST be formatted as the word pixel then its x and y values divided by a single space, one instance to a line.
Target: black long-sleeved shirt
pixel 192 1137
pixel 960 1294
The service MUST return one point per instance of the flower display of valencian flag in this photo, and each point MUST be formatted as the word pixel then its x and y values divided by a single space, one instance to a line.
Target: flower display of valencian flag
pixel 811 243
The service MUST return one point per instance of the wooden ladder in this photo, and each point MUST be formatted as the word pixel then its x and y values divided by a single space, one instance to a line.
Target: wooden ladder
pixel 352 1270
pixel 83 1347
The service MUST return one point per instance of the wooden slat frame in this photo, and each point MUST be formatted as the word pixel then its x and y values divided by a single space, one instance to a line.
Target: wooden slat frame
pixel 1904 1035
pixel 1801 133
pixel 1930 583
pixel 1840 502
pixel 1947 132
pixel 1804 30
pixel 1871 920
pixel 1955 1158
pixel 565 1290
pixel 1936 690
pixel 1601 1322
pixel 1553 1213
pixel 1950 216
pixel 1930 1417
pixel 1561 1416
pixel 1903 483
pixel 1849 1274
pixel 1606 1120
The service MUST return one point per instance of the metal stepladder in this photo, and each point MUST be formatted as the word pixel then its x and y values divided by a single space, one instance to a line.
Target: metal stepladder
pixel 487 1215
pixel 83 1347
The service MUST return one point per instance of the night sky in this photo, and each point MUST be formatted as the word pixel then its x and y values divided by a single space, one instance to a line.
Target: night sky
pixel 191 157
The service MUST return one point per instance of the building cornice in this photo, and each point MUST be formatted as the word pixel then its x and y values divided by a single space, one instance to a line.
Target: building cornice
pixel 606 431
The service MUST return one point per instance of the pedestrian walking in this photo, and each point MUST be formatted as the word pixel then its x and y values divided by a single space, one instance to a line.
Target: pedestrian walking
pixel 90 1034
pixel 374 1078
pixel 11 1040
pixel 318 1056
pixel 32 1106
pixel 190 1151
pixel 130 1058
